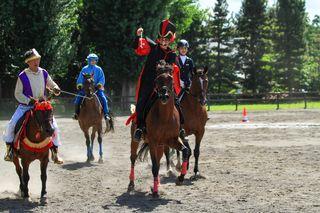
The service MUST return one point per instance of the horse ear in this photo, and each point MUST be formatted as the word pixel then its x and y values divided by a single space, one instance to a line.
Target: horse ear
pixel 205 69
pixel 194 71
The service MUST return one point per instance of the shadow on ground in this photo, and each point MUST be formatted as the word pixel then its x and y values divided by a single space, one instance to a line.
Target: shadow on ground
pixel 139 201
pixel 77 165
pixel 17 205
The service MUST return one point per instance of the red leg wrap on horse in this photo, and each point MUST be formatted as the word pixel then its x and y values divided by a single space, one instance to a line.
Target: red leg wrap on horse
pixel 184 167
pixel 132 174
pixel 155 185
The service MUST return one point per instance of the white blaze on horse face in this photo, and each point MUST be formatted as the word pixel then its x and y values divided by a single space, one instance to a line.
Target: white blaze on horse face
pixel 201 83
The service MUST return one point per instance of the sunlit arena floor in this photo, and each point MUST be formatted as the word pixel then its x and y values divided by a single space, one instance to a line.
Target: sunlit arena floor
pixel 270 164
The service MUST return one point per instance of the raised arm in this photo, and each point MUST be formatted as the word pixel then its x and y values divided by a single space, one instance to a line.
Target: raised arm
pixel 142 46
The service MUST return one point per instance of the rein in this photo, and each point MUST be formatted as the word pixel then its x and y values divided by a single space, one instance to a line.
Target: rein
pixel 74 94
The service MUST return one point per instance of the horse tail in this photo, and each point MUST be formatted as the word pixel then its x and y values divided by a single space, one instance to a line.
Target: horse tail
pixel 143 152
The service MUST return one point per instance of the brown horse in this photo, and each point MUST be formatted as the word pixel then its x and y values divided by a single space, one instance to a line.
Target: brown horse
pixel 35 142
pixel 195 114
pixel 91 115
pixel 162 128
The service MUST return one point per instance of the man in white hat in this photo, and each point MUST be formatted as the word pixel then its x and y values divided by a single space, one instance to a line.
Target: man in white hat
pixel 30 87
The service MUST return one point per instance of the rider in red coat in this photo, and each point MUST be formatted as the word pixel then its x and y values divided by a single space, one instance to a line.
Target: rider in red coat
pixel 155 51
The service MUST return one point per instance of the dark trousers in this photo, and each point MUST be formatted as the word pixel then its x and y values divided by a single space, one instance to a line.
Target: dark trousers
pixel 145 93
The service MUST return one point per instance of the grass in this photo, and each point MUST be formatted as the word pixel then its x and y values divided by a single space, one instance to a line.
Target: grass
pixel 253 106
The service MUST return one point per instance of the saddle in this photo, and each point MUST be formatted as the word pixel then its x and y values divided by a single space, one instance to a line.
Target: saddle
pixel 20 138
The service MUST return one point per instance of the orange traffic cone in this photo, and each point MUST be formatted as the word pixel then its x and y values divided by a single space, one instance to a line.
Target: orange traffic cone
pixel 244 115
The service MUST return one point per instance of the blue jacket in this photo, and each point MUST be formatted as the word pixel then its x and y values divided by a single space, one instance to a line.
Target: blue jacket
pixel 97 72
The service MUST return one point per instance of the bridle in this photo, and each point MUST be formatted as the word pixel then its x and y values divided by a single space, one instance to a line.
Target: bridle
pixel 164 90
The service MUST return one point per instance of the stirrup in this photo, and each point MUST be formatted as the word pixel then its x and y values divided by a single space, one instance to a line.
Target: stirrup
pixel 137 135
pixel 107 117
pixel 75 116
pixel 9 154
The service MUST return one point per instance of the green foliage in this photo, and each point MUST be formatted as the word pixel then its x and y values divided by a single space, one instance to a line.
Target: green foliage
pixel 251 45
pixel 220 32
pixel 290 43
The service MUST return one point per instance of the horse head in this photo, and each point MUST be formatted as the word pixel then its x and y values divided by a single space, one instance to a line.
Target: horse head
pixel 43 115
pixel 88 86
pixel 199 86
pixel 164 81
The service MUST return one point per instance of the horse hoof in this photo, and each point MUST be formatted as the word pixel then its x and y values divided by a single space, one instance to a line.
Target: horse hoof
pixel 179 181
pixel 92 158
pixel 155 195
pixel 131 186
pixel 27 199
pixel 44 200
pixel 100 160
pixel 197 176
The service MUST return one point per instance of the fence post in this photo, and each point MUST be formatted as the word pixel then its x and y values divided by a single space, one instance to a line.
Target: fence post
pixel 278 102
pixel 305 100
pixel 236 100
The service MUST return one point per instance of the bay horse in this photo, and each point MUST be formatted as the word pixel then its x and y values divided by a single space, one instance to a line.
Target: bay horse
pixel 162 128
pixel 91 115
pixel 34 142
pixel 195 114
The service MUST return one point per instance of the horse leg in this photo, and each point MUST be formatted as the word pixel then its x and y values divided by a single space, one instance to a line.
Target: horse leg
pixel 178 165
pixel 43 167
pixel 25 177
pixel 100 145
pixel 86 135
pixel 177 144
pixel 93 136
pixel 19 172
pixel 155 158
pixel 196 156
pixel 133 158
pixel 168 160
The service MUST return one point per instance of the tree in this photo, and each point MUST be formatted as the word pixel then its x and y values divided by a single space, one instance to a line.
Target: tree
pixel 25 25
pixel 251 45
pixel 311 68
pixel 109 27
pixel 290 42
pixel 220 32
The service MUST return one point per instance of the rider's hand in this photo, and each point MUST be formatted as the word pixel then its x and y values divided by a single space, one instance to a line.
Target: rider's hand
pixel 32 101
pixel 79 87
pixel 139 31
pixel 100 87
pixel 56 91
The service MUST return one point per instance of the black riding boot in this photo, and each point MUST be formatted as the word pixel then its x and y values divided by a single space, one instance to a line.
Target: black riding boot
pixel 139 131
pixel 76 111
pixel 182 132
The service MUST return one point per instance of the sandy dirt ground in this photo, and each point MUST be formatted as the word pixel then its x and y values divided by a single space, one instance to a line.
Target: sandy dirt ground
pixel 270 164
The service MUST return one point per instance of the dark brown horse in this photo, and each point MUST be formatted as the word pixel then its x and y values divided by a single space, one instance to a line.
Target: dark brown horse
pixel 195 114
pixel 91 115
pixel 162 128
pixel 35 142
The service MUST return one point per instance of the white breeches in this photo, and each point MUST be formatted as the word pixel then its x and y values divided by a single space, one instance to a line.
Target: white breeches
pixel 8 135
